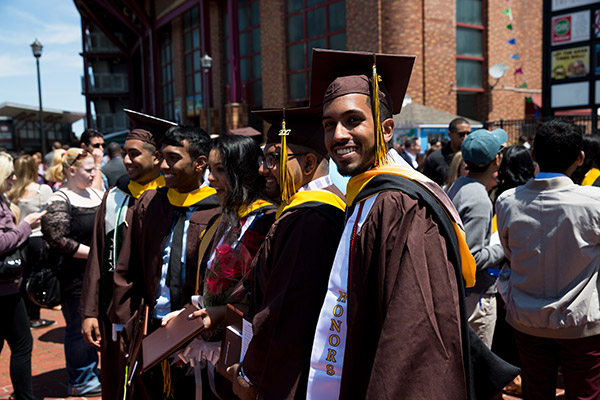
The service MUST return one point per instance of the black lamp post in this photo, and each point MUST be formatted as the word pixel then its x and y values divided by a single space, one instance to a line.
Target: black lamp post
pixel 36 49
pixel 206 62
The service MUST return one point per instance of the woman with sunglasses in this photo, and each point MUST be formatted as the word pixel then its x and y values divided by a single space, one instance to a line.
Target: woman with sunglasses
pixel 15 322
pixel 67 228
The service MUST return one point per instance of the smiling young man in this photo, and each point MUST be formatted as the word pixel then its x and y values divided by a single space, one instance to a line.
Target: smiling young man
pixel 392 324
pixel 292 266
pixel 113 219
pixel 166 232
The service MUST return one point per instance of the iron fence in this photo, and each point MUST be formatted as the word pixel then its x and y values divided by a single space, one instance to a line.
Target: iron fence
pixel 527 127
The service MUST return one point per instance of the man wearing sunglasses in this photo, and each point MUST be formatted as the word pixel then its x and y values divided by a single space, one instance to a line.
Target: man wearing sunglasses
pixel 437 164
pixel 93 142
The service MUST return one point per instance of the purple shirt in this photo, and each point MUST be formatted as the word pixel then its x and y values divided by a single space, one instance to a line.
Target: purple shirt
pixel 10 240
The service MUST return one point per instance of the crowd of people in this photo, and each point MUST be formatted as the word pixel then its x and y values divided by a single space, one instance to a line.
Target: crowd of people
pixel 404 284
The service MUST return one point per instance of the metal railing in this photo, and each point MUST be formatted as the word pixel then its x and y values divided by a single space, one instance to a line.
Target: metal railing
pixel 106 83
pixel 528 127
pixel 111 122
pixel 98 42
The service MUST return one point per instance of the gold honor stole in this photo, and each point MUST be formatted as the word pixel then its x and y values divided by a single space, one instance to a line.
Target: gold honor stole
pixel 137 189
pixel 591 177
pixel 307 196
pixel 244 211
pixel 357 183
pixel 179 199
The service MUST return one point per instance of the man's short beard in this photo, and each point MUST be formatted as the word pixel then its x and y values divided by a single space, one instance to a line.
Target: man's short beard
pixel 353 171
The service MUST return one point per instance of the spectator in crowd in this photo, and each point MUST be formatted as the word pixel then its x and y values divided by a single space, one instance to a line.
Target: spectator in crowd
pixel 114 170
pixel 37 156
pixel 48 157
pixel 15 323
pixel 549 230
pixel 411 152
pixel 524 141
pixel 30 197
pixel 588 173
pixel 482 152
pixel 92 141
pixel 437 165
pixel 52 174
pixel 517 167
pixel 458 168
pixel 68 228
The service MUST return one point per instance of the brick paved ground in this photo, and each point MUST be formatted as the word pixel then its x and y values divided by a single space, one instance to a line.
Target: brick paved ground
pixel 48 364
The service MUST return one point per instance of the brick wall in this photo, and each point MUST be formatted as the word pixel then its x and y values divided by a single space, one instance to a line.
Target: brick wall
pixel 527 30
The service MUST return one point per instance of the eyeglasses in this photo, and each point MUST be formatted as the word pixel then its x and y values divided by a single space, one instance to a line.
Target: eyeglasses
pixel 272 159
pixel 83 154
pixel 97 145
pixel 463 133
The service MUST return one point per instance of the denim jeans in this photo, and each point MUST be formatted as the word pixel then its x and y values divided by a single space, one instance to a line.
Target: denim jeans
pixel 82 360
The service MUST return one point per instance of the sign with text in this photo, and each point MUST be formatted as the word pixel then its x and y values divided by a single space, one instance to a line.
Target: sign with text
pixel 558 5
pixel 571 28
pixel 570 63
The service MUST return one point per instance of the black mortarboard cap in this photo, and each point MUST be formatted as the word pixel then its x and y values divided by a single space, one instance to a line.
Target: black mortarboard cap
pixel 147 128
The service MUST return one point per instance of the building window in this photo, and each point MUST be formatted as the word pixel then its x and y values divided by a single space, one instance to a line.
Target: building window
pixel 311 24
pixel 248 32
pixel 192 48
pixel 469 55
pixel 166 75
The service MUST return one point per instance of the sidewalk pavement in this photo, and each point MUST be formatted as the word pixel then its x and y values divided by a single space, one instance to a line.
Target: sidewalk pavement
pixel 48 362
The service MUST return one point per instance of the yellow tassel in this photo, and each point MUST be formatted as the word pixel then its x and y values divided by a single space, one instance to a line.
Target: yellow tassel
pixel 168 390
pixel 380 150
pixel 286 178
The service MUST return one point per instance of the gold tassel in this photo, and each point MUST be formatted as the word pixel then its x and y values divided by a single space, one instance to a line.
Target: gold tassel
pixel 380 150
pixel 287 179
pixel 168 390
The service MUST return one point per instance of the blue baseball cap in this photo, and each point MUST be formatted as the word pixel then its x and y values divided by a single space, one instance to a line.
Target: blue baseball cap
pixel 482 146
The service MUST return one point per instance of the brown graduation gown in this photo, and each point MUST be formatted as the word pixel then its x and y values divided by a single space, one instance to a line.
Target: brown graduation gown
pixel 291 273
pixel 97 294
pixel 137 274
pixel 404 327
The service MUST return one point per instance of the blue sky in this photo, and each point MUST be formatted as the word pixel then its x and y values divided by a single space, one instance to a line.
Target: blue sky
pixel 57 25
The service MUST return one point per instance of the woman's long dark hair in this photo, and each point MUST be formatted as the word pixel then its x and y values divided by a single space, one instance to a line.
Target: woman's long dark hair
pixel 591 148
pixel 516 168
pixel 240 155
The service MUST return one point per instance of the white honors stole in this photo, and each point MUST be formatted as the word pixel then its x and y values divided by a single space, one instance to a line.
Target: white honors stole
pixel 116 210
pixel 329 345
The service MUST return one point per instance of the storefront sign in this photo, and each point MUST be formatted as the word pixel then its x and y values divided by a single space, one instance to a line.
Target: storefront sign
pixel 570 63
pixel 571 28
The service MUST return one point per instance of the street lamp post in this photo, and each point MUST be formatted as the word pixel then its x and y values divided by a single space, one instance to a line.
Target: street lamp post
pixel 36 48
pixel 206 62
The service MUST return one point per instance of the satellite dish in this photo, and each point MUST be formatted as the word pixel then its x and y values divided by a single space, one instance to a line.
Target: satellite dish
pixel 497 71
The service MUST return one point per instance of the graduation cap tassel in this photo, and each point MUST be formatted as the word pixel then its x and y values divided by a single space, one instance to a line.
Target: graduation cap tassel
pixel 380 150
pixel 287 180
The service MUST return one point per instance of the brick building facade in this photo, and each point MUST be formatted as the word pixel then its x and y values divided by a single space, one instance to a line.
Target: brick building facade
pixel 261 56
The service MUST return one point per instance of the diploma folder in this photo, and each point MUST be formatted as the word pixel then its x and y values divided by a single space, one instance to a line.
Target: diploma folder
pixel 231 345
pixel 165 340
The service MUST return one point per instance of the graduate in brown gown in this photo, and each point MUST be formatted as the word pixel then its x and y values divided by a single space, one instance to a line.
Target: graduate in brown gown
pixel 392 324
pixel 161 269
pixel 292 267
pixel 113 219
